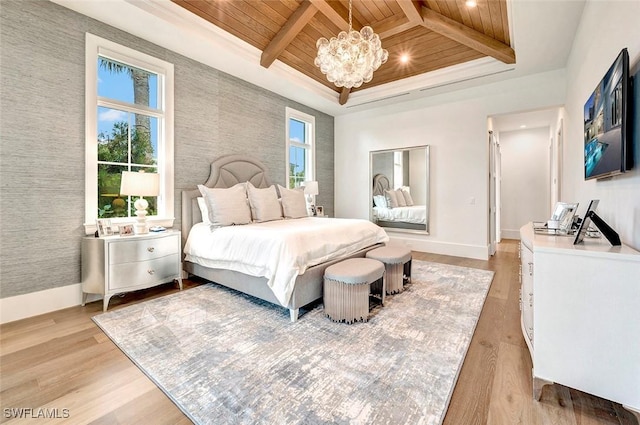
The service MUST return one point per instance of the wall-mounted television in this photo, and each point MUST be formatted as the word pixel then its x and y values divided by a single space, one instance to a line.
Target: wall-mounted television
pixel 608 142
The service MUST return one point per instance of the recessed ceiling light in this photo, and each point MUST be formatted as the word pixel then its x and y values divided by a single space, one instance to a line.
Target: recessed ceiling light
pixel 404 58
pixel 523 126
pixel 471 3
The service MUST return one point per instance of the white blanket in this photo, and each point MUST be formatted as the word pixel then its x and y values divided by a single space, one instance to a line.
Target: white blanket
pixel 280 250
pixel 416 214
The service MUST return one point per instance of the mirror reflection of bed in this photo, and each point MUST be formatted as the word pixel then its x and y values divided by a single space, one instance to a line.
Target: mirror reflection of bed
pixel 400 188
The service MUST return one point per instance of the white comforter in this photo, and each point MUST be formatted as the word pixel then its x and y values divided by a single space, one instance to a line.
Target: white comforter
pixel 416 214
pixel 279 250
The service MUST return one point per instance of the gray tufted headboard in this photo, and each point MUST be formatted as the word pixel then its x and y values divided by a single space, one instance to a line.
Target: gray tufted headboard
pixel 380 184
pixel 226 171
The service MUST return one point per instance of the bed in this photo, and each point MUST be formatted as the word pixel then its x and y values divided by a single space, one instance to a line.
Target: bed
pixel 407 217
pixel 280 280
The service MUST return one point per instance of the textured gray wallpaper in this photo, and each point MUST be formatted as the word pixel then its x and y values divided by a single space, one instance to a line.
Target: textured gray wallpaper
pixel 42 80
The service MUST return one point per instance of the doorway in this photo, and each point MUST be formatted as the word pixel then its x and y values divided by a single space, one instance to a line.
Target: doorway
pixel 525 157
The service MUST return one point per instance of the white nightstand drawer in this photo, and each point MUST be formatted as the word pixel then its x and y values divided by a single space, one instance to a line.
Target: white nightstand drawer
pixel 145 273
pixel 143 249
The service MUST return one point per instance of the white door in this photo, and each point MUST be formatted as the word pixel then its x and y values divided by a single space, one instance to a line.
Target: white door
pixel 492 193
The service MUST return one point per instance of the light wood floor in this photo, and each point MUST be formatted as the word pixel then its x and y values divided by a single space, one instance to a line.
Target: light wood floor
pixel 61 360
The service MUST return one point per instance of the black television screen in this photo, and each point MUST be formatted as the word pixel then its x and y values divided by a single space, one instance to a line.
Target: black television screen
pixel 607 141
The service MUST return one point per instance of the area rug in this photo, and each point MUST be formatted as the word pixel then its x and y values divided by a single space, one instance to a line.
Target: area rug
pixel 227 358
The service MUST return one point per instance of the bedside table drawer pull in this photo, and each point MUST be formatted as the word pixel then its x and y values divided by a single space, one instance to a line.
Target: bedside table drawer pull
pixel 151 271
pixel 150 249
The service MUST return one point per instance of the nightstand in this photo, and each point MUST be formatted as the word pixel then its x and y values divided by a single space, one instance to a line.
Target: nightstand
pixel 115 264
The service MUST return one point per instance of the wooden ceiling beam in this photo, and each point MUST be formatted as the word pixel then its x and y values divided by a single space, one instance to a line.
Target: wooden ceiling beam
pixel 336 17
pixel 411 9
pixel 467 36
pixel 384 32
pixel 296 22
pixel 344 95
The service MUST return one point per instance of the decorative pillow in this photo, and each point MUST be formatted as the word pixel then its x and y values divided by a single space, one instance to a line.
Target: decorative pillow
pixel 380 201
pixel 293 203
pixel 264 203
pixel 407 196
pixel 392 198
pixel 204 211
pixel 400 198
pixel 227 206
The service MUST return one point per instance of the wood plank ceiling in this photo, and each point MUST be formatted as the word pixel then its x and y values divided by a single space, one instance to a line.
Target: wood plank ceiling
pixel 433 34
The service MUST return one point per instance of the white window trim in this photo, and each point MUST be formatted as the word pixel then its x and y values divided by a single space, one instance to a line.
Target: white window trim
pixel 310 136
pixel 99 46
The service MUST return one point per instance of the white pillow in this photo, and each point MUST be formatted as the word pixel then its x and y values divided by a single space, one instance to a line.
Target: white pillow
pixel 407 197
pixel 293 202
pixel 380 201
pixel 227 206
pixel 204 211
pixel 392 198
pixel 264 203
pixel 400 198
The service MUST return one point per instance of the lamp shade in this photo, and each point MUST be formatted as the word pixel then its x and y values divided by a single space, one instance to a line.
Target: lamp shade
pixel 139 184
pixel 311 188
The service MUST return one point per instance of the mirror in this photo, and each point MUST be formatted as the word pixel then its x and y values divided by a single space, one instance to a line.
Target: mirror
pixel 400 188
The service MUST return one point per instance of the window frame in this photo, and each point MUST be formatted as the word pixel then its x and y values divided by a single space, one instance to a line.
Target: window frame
pixel 95 47
pixel 310 146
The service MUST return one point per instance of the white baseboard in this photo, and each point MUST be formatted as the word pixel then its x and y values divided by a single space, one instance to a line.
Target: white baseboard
pixel 41 302
pixel 419 243
pixel 510 234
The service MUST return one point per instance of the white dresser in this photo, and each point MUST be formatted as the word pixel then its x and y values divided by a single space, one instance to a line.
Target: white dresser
pixel 117 264
pixel 581 315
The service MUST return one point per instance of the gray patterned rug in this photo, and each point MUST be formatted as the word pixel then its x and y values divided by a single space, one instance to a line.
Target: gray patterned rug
pixel 226 358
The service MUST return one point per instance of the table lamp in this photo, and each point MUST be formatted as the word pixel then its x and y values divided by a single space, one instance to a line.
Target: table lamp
pixel 311 190
pixel 140 184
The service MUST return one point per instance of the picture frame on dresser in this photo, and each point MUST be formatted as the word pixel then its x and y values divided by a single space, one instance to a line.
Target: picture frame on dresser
pixel 104 227
pixel 319 211
pixel 126 230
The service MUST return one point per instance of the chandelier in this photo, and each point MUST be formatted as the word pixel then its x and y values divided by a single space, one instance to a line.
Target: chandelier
pixel 349 59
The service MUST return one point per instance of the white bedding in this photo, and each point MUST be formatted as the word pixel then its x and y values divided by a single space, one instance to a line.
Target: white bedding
pixel 279 250
pixel 416 214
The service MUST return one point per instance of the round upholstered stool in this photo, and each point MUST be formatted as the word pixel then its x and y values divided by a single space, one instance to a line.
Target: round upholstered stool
pixel 397 261
pixel 347 286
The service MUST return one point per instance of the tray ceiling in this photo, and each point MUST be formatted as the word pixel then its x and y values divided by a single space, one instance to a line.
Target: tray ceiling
pixel 433 34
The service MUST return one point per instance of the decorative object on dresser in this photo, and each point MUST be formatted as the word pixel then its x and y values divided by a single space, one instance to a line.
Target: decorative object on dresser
pixel 580 316
pixel 319 211
pixel 104 227
pixel 400 367
pixel 113 265
pixel 611 235
pixel 140 184
pixel 280 260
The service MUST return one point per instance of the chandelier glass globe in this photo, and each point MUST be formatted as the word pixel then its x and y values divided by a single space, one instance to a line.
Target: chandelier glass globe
pixel 350 59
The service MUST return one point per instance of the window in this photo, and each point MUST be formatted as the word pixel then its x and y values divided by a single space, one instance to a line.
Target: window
pixel 129 127
pixel 398 170
pixel 300 130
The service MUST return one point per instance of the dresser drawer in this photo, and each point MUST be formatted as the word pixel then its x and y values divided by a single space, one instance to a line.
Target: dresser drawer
pixel 134 250
pixel 145 273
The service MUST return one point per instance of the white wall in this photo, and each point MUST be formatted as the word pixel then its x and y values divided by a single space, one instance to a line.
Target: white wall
pixel 455 126
pixel 605 28
pixel 525 178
